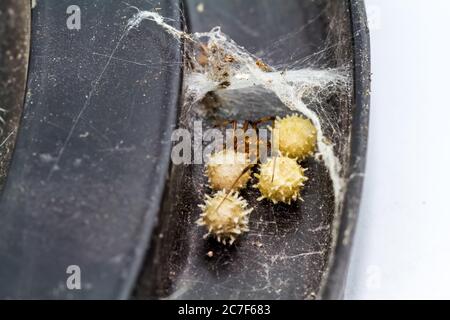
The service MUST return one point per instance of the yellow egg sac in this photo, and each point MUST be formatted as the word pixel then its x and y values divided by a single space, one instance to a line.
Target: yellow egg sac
pixel 281 180
pixel 227 170
pixel 225 216
pixel 296 137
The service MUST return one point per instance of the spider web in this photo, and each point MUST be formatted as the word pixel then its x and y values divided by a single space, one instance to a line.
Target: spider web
pixel 232 68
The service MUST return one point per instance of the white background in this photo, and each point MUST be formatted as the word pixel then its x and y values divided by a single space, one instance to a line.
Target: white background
pixel 402 243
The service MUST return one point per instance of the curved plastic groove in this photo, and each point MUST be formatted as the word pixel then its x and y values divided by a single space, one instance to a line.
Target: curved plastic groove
pixel 93 152
pixel 14 53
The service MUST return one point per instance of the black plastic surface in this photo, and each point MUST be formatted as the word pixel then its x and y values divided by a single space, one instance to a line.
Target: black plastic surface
pixel 334 284
pixel 93 151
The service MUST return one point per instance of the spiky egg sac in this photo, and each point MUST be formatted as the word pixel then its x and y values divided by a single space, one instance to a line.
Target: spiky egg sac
pixel 225 216
pixel 296 136
pixel 228 170
pixel 280 180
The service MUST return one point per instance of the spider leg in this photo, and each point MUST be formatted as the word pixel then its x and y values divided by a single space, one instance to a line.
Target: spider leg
pixel 235 139
pixel 266 119
pixel 234 185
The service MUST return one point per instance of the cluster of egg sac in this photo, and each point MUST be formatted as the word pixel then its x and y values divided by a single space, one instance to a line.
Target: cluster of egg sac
pixel 225 215
pixel 282 178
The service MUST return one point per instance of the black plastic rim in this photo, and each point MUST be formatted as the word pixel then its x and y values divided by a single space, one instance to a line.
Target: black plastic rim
pixel 14 53
pixel 334 284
